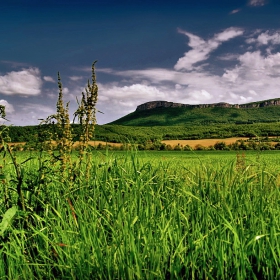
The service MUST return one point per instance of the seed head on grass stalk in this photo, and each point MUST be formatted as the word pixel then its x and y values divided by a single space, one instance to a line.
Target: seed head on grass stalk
pixel 62 133
pixel 86 116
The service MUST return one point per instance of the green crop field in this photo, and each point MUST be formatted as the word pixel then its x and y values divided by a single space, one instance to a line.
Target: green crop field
pixel 142 215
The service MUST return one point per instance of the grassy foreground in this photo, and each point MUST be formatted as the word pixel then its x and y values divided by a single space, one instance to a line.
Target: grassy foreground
pixel 143 216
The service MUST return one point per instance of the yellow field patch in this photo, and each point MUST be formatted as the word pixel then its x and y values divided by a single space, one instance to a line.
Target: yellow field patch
pixel 203 142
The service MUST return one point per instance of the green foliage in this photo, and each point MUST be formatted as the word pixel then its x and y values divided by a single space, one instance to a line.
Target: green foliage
pixel 149 215
pixel 86 110
pixel 200 116
pixel 220 146
pixel 7 220
pixel 140 134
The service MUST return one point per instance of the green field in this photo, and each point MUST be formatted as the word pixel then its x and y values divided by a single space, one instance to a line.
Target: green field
pixel 141 215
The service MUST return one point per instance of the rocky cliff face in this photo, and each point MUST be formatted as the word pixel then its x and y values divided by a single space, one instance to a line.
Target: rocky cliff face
pixel 166 104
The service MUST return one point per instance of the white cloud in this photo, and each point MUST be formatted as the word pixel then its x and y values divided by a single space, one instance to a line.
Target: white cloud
pixel 135 91
pixel 227 34
pixel 117 101
pixel 49 79
pixel 201 49
pixel 30 113
pixel 229 56
pixel 9 108
pixel 266 38
pixel 257 77
pixel 261 66
pixel 199 97
pixel 256 3
pixel 65 90
pixel 25 82
pixel 34 108
pixel 235 11
pixel 76 78
pixel 231 75
pixel 252 92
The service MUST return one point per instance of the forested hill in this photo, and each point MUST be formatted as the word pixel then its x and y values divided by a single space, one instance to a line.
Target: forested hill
pixel 139 134
pixel 169 122
pixel 162 113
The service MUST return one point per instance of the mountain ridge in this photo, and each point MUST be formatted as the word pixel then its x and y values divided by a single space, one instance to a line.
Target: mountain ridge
pixel 166 104
pixel 164 113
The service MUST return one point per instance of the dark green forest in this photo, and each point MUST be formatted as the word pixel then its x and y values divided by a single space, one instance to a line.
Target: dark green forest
pixel 139 134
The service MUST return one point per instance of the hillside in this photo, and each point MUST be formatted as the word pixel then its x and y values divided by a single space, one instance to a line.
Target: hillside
pixel 163 113
pixel 166 121
pixel 139 134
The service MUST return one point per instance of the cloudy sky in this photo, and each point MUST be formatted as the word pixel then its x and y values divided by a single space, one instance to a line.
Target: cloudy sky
pixel 183 51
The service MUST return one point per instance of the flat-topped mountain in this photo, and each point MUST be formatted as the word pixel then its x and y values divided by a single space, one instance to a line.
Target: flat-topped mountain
pixel 166 104
pixel 164 113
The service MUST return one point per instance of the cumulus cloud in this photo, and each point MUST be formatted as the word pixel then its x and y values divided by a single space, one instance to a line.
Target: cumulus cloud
pixel 201 49
pixel 130 96
pixel 25 82
pixel 255 67
pixel 228 56
pixel 266 38
pixel 49 79
pixel 36 108
pixel 31 113
pixel 256 77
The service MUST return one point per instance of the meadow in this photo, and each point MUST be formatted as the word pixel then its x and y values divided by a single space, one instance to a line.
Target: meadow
pixel 142 215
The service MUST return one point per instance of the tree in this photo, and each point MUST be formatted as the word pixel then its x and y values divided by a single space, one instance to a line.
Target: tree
pixel 220 145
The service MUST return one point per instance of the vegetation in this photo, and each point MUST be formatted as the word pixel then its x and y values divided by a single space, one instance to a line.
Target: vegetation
pixel 139 216
pixel 67 214
pixel 200 116
pixel 140 135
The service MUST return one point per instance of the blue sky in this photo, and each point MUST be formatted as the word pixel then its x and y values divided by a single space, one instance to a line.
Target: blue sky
pixel 180 51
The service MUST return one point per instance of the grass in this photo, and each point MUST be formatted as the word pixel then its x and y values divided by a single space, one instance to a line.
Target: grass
pixel 147 215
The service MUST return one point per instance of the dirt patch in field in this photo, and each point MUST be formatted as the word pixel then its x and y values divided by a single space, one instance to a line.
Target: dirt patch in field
pixel 203 142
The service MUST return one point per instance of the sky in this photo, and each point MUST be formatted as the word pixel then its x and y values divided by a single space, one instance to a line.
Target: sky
pixel 180 51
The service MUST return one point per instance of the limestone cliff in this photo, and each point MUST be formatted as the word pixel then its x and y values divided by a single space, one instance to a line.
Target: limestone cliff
pixel 166 104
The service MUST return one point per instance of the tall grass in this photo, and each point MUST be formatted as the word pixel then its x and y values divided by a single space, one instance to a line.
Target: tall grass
pixel 133 219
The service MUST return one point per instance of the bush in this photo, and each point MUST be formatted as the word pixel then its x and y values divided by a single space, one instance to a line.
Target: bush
pixel 220 146
pixel 199 147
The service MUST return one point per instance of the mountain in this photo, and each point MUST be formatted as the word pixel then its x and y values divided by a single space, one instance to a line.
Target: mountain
pixel 164 113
